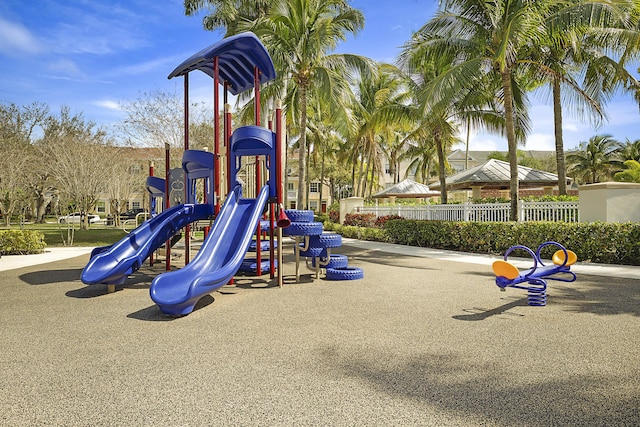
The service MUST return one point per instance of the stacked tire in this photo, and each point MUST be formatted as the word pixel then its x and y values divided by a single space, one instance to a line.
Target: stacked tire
pixel 320 243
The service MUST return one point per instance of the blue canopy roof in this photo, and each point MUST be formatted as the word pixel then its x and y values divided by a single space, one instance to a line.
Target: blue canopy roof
pixel 237 57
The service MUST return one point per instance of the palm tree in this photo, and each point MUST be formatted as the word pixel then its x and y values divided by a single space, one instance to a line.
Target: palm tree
pixel 436 119
pixel 377 130
pixel 630 150
pixel 499 39
pixel 230 15
pixel 484 37
pixel 594 160
pixel 422 159
pixel 572 49
pixel 299 34
pixel 630 173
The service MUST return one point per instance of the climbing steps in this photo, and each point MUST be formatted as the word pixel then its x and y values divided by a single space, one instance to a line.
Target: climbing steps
pixel 312 242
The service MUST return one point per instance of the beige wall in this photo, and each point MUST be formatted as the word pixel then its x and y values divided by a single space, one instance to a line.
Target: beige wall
pixel 610 202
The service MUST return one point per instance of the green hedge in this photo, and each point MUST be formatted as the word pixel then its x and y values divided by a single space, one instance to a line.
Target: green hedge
pixel 608 243
pixel 21 242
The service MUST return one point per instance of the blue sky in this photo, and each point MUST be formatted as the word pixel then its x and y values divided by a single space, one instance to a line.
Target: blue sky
pixel 92 55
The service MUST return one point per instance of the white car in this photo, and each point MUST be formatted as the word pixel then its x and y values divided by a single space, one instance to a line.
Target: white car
pixel 76 218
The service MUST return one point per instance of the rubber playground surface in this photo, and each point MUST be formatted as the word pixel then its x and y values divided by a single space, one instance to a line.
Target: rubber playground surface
pixel 419 341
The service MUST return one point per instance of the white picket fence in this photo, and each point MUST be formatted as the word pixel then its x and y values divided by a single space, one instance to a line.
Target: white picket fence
pixel 492 212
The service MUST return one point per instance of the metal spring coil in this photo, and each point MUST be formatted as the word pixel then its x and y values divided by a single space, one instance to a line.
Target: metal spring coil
pixel 537 290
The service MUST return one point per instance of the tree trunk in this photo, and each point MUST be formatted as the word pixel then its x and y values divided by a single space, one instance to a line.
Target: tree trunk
pixel 557 124
pixel 441 168
pixel 512 144
pixel 302 149
pixel 321 178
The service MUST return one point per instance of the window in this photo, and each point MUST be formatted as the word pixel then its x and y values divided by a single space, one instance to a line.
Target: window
pixel 314 187
pixel 135 169
pixel 290 186
pixel 135 205
pixel 101 207
pixel 313 205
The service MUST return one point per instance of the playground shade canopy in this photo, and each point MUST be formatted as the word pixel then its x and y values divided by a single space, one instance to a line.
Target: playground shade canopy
pixel 237 55
pixel 496 174
pixel 407 189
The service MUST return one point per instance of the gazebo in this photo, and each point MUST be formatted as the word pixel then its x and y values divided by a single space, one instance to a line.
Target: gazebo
pixel 407 189
pixel 495 174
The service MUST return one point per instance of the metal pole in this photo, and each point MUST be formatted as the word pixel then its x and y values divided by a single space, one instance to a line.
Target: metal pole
pixel 278 161
pixel 167 203
pixel 187 229
pixel 151 170
pixel 216 128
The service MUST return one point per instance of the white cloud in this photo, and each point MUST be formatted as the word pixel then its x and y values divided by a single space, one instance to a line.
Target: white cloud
pixel 108 104
pixel 483 142
pixel 66 67
pixel 16 39
pixel 540 141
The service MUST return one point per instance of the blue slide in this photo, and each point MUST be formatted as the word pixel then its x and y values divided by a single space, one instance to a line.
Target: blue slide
pixel 219 258
pixel 112 264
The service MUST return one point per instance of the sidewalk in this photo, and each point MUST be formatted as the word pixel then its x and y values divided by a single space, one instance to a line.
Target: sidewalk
pixel 10 262
pixel 609 270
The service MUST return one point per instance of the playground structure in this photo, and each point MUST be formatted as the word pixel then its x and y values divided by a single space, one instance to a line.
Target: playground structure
pixel 508 275
pixel 238 63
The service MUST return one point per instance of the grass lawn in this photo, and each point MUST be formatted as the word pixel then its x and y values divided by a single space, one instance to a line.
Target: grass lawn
pixel 62 234
pixel 98 234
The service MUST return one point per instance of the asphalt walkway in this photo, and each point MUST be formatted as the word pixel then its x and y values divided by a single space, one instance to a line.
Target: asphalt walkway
pixel 426 338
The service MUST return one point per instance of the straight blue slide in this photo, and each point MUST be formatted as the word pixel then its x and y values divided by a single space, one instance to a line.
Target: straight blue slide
pixel 217 261
pixel 112 265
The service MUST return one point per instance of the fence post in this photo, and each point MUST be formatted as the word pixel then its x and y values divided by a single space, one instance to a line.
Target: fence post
pixel 520 210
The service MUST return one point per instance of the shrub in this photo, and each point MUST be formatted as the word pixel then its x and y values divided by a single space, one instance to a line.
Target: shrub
pixel 382 220
pixel 21 242
pixel 611 243
pixel 360 220
pixel 334 212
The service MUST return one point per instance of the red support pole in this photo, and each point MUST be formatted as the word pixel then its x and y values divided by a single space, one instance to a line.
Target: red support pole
pixel 167 203
pixel 151 170
pixel 227 143
pixel 279 189
pixel 216 142
pixel 272 264
pixel 187 229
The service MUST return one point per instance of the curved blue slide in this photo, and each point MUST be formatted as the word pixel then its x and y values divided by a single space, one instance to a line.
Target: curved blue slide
pixel 111 265
pixel 217 261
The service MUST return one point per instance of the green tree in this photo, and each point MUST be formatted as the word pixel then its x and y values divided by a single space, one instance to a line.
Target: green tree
pixel 490 37
pixel 23 178
pixel 594 160
pixel 630 150
pixel 72 145
pixel 630 173
pixel 377 131
pixel 231 15
pixel 499 39
pixel 572 61
pixel 299 34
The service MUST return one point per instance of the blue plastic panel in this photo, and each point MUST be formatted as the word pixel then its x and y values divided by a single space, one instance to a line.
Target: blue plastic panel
pixel 237 57
pixel 156 186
